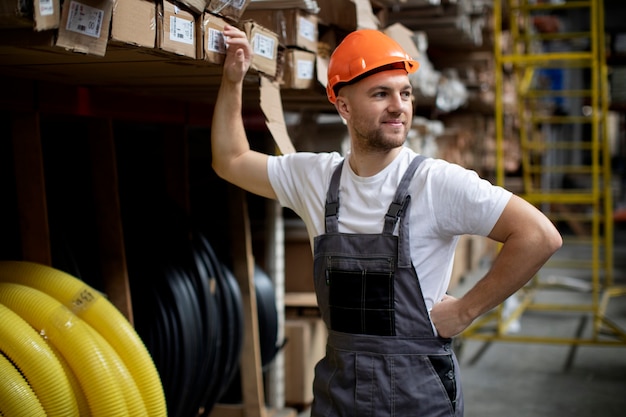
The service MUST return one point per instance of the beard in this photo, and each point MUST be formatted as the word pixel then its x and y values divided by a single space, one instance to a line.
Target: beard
pixel 379 140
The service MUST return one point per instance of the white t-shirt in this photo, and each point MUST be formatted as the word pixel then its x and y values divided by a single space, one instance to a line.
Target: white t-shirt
pixel 447 201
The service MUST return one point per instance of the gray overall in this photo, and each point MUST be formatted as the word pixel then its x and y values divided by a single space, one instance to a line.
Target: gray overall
pixel 382 356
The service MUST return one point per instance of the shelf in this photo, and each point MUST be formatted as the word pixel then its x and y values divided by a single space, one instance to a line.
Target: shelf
pixel 125 69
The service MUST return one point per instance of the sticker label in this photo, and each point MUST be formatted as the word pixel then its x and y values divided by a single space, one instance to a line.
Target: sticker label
pixel 215 42
pixel 46 7
pixel 84 19
pixel 83 299
pixel 181 30
pixel 304 69
pixel 263 45
pixel 307 29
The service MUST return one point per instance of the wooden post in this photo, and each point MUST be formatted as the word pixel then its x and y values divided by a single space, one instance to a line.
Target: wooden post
pixel 31 188
pixel 243 269
pixel 108 214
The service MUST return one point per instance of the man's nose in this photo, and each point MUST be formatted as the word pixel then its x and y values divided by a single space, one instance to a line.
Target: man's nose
pixel 397 103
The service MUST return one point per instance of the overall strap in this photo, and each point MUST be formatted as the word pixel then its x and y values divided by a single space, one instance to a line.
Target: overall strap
pixel 332 201
pixel 401 199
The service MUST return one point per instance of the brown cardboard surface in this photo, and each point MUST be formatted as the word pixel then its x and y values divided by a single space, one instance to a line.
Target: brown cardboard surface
pixel 15 14
pixel 213 47
pixel 134 22
pixel 340 13
pixel 84 26
pixel 403 36
pixel 264 44
pixel 231 9
pixel 39 15
pixel 365 17
pixel 306 343
pixel 272 107
pixel 196 6
pixel 177 30
pixel 295 27
pixel 299 69
pixel 321 69
pixel 47 14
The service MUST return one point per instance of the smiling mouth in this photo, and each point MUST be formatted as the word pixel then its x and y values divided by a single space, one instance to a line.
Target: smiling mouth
pixel 393 123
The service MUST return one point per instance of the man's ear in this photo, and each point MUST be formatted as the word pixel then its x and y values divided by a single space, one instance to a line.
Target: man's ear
pixel 342 107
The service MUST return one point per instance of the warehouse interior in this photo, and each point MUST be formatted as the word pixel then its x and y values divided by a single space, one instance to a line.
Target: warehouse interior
pixel 204 292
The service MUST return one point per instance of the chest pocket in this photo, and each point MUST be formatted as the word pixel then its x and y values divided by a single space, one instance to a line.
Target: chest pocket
pixel 361 294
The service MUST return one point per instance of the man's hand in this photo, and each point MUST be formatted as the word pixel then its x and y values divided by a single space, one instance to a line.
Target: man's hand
pixel 238 54
pixel 447 318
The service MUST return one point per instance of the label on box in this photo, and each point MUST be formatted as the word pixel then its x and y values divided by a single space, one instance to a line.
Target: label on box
pixel 263 45
pixel 216 41
pixel 304 69
pixel 46 7
pixel 307 29
pixel 84 19
pixel 181 30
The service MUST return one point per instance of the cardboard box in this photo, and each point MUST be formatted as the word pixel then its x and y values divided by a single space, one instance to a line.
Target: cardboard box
pixel 264 44
pixel 84 26
pixel 196 6
pixel 134 22
pixel 213 47
pixel 404 36
pixel 230 9
pixel 348 14
pixel 295 27
pixel 299 69
pixel 339 13
pixel 298 258
pixel 306 345
pixel 177 30
pixel 38 14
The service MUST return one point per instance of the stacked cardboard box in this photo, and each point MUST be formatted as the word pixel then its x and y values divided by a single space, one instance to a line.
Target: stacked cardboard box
pixel 264 44
pixel 38 14
pixel 213 47
pixel 162 27
pixel 297 31
pixel 84 26
pixel 177 30
pixel 296 28
pixel 230 9
pixel 134 22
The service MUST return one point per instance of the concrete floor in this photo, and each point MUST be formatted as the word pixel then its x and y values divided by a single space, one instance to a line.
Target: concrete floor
pixel 529 379
pixel 551 379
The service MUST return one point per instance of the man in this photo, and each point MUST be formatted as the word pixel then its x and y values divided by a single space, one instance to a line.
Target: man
pixel 383 223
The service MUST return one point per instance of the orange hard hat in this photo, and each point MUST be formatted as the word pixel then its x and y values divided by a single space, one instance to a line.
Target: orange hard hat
pixel 362 52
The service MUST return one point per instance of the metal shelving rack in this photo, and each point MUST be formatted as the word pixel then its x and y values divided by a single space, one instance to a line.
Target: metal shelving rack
pixel 558 120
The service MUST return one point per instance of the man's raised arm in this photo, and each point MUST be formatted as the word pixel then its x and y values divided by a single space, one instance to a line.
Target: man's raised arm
pixel 233 160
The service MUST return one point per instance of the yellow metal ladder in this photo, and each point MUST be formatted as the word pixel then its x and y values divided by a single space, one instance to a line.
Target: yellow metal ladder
pixel 552 104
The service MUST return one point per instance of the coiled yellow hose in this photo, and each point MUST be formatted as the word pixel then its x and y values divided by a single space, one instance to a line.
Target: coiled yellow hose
pixel 79 395
pixel 73 338
pixel 132 396
pixel 37 362
pixel 104 317
pixel 17 399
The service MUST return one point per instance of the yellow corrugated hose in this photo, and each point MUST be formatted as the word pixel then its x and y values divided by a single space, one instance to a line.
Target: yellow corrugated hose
pixel 38 363
pixel 102 315
pixel 17 399
pixel 81 400
pixel 131 393
pixel 73 338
